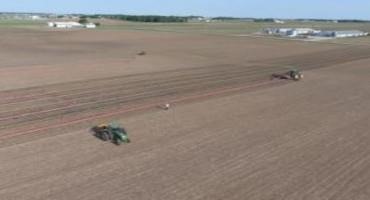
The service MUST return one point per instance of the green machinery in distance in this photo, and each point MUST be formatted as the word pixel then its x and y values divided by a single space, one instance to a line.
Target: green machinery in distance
pixel 111 132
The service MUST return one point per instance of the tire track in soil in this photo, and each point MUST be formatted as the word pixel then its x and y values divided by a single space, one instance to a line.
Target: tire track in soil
pixel 77 100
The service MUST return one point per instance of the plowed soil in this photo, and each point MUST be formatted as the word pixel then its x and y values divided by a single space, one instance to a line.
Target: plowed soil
pixel 259 139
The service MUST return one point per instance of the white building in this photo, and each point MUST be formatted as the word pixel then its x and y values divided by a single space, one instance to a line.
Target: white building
pixel 343 34
pixel 36 17
pixel 65 25
pixel 51 24
pixel 279 31
pixel 90 25
pixel 271 31
pixel 353 33
pixel 309 32
pixel 285 31
pixel 277 21
pixel 303 31
pixel 300 32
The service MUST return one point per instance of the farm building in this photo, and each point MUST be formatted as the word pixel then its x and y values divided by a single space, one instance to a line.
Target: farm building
pixel 355 33
pixel 343 34
pixel 277 21
pixel 271 31
pixel 306 32
pixel 51 24
pixel 36 17
pixel 285 31
pixel 302 31
pixel 65 25
pixel 290 32
pixel 90 25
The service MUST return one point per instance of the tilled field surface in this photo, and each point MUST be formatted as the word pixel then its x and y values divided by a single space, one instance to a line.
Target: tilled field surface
pixel 33 110
pixel 304 140
pixel 41 109
pixel 37 57
pixel 260 139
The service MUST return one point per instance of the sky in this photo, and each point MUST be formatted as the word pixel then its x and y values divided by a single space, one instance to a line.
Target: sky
pixel 328 9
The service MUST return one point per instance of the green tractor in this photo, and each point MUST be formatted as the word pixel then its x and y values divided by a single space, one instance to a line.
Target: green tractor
pixel 111 132
pixel 293 74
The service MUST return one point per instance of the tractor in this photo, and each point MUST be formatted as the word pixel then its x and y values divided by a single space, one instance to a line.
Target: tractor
pixel 112 132
pixel 293 74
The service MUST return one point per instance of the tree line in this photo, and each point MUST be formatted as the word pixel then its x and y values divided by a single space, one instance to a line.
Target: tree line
pixel 166 19
pixel 143 18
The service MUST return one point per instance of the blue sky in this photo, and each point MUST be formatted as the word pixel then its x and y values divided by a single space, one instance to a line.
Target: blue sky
pixel 334 9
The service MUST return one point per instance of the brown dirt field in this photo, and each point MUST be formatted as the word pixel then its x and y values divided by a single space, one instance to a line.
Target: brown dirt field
pixel 297 140
pixel 31 57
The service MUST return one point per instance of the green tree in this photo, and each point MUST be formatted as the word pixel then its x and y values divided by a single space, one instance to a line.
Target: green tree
pixel 83 21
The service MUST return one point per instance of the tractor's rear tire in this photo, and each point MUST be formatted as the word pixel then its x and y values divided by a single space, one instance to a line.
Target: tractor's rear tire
pixel 118 142
pixel 104 136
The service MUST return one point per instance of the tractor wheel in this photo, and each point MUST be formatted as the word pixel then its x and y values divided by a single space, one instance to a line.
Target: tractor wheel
pixel 104 136
pixel 296 77
pixel 118 142
pixel 109 135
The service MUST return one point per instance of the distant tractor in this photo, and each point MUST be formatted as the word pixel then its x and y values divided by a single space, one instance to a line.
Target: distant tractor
pixel 111 132
pixel 141 53
pixel 293 74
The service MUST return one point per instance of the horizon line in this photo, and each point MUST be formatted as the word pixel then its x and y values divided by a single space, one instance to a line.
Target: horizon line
pixel 216 16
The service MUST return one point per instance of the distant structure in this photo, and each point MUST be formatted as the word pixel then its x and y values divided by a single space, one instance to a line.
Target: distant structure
pixel 65 25
pixel 69 25
pixel 343 34
pixel 36 17
pixel 290 32
pixel 200 19
pixel 90 25
pixel 303 31
pixel 309 32
pixel 278 21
